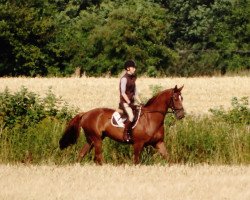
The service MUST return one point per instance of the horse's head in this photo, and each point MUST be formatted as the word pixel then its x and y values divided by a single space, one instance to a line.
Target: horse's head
pixel 176 103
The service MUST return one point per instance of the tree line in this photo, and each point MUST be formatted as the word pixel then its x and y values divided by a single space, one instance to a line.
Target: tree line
pixel 164 37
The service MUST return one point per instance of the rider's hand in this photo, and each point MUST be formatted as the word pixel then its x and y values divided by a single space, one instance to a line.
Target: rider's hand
pixel 132 106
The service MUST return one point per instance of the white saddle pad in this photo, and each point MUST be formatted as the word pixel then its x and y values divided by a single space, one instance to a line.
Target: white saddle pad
pixel 118 121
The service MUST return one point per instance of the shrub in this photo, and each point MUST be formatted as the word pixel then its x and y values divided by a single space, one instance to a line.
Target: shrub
pixel 240 112
pixel 208 140
pixel 27 108
pixel 37 144
pixel 31 126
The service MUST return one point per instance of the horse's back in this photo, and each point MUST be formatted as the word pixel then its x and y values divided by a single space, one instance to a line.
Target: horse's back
pixel 97 117
pixel 101 111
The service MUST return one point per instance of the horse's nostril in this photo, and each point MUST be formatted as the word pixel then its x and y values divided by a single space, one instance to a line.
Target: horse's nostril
pixel 181 116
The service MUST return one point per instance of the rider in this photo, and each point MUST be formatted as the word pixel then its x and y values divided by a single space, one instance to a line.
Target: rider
pixel 128 94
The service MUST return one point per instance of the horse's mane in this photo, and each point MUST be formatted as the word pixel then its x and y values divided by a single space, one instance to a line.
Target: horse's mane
pixel 152 100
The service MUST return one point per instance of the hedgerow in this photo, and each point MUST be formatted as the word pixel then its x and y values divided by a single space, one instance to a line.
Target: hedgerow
pixel 31 126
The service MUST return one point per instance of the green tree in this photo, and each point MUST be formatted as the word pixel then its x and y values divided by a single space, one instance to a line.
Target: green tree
pixel 137 30
pixel 25 29
pixel 209 35
pixel 174 37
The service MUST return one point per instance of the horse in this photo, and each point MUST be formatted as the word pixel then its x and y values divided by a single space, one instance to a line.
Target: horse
pixel 149 130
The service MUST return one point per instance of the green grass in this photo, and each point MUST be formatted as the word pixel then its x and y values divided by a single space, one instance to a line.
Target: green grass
pixel 192 140
pixel 30 129
pixel 207 140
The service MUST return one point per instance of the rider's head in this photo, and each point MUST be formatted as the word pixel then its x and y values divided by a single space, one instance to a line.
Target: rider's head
pixel 128 64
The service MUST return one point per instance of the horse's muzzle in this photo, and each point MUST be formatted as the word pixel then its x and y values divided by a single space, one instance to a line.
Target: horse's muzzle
pixel 180 114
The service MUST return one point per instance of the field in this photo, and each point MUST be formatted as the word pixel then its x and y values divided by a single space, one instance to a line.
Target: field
pixel 125 182
pixel 88 181
pixel 200 94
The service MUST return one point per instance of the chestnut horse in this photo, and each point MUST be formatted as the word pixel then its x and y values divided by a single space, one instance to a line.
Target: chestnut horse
pixel 148 131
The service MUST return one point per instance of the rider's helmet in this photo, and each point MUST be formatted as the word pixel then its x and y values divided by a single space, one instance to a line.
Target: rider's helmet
pixel 129 63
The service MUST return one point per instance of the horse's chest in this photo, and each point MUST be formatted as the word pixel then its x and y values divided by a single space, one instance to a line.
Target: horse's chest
pixel 156 133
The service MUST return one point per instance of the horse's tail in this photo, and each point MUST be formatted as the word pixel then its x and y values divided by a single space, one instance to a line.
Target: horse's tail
pixel 71 132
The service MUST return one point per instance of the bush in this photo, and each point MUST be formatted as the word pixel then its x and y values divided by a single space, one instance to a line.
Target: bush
pixel 240 112
pixel 26 108
pixel 208 140
pixel 38 144
pixel 30 128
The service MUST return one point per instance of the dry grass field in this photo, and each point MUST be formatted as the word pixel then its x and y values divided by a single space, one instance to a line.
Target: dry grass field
pixel 107 182
pixel 90 182
pixel 200 94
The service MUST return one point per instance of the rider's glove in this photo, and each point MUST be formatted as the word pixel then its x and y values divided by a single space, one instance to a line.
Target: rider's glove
pixel 132 106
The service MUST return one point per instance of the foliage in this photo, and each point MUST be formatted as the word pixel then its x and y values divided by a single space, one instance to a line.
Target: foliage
pixel 25 108
pixel 240 112
pixel 191 140
pixel 25 29
pixel 208 140
pixel 204 32
pixel 31 126
pixel 175 37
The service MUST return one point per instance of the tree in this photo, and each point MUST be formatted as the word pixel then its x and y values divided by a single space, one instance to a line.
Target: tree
pixel 136 30
pixel 204 33
pixel 173 37
pixel 25 28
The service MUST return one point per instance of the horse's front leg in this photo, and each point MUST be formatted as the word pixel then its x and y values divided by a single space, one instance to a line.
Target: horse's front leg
pixel 137 152
pixel 160 146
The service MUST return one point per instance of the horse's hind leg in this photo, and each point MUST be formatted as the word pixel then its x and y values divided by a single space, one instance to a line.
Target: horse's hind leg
pixel 98 151
pixel 86 149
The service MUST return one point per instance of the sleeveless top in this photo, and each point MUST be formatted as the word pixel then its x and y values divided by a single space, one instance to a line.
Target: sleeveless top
pixel 130 88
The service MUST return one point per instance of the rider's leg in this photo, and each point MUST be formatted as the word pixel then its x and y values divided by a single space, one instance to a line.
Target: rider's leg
pixel 128 124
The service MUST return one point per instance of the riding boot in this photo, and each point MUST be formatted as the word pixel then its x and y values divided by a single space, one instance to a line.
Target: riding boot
pixel 127 131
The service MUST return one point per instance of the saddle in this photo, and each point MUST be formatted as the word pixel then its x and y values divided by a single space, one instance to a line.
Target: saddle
pixel 119 117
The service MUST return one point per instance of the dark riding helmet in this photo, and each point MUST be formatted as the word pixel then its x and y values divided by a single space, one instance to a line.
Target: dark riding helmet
pixel 129 63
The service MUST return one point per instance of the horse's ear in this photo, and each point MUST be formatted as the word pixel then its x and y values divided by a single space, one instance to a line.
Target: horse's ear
pixel 175 88
pixel 181 88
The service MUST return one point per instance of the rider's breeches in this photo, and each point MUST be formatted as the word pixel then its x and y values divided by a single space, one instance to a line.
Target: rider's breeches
pixel 129 112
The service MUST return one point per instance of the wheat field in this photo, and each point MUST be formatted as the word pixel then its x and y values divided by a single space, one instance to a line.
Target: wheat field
pixel 90 182
pixel 200 94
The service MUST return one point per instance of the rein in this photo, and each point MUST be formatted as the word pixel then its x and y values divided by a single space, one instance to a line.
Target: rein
pixel 153 111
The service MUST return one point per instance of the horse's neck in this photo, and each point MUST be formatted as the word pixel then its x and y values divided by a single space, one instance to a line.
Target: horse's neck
pixel 161 103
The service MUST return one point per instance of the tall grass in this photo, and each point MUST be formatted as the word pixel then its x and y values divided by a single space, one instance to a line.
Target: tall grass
pixel 215 139
pixel 204 140
pixel 207 140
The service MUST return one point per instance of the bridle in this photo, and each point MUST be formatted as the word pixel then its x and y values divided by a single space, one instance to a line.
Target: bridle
pixel 173 107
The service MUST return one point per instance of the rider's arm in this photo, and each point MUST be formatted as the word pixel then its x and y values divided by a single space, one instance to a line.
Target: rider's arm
pixel 123 89
pixel 137 96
